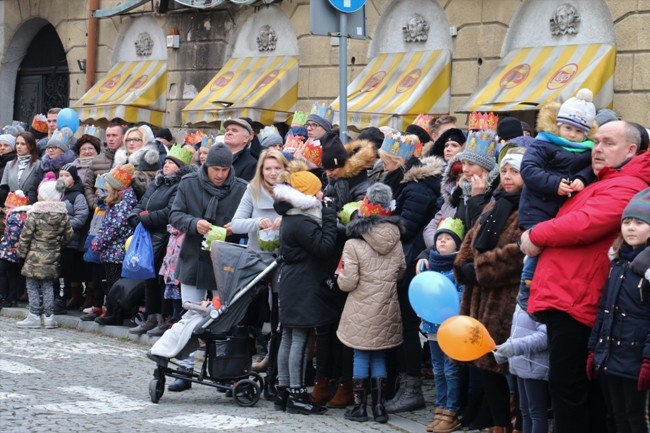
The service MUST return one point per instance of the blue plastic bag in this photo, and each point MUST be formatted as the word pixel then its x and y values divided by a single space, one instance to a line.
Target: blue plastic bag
pixel 138 261
pixel 90 255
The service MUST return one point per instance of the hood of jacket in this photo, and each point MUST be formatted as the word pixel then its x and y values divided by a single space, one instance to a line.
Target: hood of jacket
pixel 43 207
pixel 149 152
pixel 547 120
pixel 296 199
pixel 381 233
pixel 362 157
pixel 447 176
pixel 430 166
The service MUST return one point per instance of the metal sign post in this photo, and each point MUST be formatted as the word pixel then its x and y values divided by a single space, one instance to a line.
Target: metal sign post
pixel 343 78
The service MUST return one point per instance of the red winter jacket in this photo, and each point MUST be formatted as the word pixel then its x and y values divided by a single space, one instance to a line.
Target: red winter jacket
pixel 573 266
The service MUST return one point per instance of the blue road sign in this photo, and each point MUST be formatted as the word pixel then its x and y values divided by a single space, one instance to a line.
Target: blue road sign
pixel 347 6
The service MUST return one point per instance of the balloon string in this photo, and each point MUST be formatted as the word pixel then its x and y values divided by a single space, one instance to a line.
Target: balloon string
pixel 529 360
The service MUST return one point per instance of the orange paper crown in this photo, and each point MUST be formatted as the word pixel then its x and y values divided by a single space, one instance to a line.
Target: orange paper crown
pixel 369 209
pixel 482 121
pixel 194 138
pixel 423 121
pixel 39 123
pixel 15 199
pixel 312 152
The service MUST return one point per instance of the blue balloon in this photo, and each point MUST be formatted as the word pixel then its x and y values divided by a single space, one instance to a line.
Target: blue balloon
pixel 68 117
pixel 433 297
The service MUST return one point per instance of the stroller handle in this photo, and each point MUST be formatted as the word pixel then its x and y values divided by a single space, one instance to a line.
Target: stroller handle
pixel 198 308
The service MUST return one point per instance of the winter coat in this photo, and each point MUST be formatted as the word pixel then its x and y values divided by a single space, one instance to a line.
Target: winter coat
pixel 193 198
pixel 249 214
pixel 373 262
pixel 115 229
pixel 46 231
pixel 100 164
pixel 492 299
pixel 620 337
pixel 143 158
pixel 573 266
pixel 28 182
pixel 78 212
pixel 55 164
pixel 306 299
pixel 530 344
pixel 244 164
pixel 352 181
pixel 11 237
pixel 6 159
pixel 83 166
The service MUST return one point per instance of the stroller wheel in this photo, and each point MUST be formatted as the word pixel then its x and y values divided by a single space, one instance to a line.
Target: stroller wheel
pixel 246 393
pixel 257 378
pixel 156 389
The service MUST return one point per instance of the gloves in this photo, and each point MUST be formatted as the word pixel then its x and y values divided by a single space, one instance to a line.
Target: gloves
pixel 592 374
pixel 500 359
pixel 644 376
pixel 469 272
pixel 641 262
pixel 506 349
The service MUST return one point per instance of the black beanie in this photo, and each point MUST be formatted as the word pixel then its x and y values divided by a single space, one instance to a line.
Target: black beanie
pixel 509 127
pixel 423 135
pixel 72 169
pixel 452 134
pixel 372 134
pixel 334 154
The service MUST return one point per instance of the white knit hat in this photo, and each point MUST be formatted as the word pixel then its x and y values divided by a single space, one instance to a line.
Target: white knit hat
pixel 578 111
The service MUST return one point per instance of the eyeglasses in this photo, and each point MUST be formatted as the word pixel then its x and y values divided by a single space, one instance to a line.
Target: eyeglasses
pixel 311 125
pixel 133 140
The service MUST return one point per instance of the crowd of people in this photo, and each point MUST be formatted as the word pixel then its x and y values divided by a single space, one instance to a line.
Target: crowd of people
pixel 544 236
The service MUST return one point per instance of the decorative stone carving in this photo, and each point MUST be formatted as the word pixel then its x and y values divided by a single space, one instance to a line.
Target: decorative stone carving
pixel 416 29
pixel 144 45
pixel 565 20
pixel 266 39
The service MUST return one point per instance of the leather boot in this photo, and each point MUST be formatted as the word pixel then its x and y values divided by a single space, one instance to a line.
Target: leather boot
pixel 152 321
pixel 436 419
pixel 76 300
pixel 280 402
pixel 321 394
pixel 343 396
pixel 179 384
pixel 88 300
pixel 378 399
pixel 448 422
pixel 270 391
pixel 360 392
pixel 409 399
pixel 300 402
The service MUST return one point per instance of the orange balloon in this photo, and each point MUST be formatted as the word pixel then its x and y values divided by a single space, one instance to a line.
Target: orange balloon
pixel 464 338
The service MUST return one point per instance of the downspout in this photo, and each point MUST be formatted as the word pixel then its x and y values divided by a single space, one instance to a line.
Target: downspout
pixel 91 54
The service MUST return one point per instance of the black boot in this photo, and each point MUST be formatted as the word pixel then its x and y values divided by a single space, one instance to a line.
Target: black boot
pixel 300 402
pixel 270 391
pixel 179 384
pixel 378 399
pixel 280 402
pixel 360 392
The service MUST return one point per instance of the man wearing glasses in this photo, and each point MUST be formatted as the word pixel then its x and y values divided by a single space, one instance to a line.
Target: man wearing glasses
pixel 317 127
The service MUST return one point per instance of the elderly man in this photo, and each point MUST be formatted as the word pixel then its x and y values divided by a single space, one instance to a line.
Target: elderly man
pixel 103 162
pixel 239 134
pixel 573 267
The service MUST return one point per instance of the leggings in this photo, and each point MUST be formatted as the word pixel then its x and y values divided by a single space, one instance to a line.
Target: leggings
pixel 36 289
pixel 292 357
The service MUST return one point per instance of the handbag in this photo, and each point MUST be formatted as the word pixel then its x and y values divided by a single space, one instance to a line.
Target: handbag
pixel 138 261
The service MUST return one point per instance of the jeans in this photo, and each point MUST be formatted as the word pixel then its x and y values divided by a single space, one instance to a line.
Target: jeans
pixel 446 375
pixel 369 363
pixel 530 264
pixel 533 402
pixel 629 406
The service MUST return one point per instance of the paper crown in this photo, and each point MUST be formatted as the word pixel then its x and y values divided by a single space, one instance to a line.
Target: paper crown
pixel 423 121
pixel 100 182
pixel 120 177
pixel 95 131
pixel 453 225
pixel 39 123
pixel 400 145
pixel 268 130
pixel 17 198
pixel 299 118
pixel 481 142
pixel 207 141
pixel 183 155
pixel 323 110
pixel 293 141
pixel 482 121
pixel 369 209
pixel 194 138
pixel 63 135
pixel 310 151
pixel 345 214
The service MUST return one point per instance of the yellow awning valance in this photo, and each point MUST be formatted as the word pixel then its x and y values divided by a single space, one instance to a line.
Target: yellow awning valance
pixel 133 91
pixel 395 87
pixel 261 88
pixel 528 77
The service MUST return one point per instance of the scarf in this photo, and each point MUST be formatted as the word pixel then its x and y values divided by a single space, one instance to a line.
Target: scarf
pixel 23 161
pixel 628 253
pixel 441 262
pixel 493 221
pixel 570 146
pixel 466 185
pixel 216 192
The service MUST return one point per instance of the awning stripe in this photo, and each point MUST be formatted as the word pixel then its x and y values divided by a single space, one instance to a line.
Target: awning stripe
pixel 528 77
pixel 133 91
pixel 262 88
pixel 396 87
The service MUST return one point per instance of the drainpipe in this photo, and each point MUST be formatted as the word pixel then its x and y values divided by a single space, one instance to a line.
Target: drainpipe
pixel 91 54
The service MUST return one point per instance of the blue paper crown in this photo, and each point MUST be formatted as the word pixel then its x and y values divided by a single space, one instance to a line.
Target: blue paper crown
pixel 95 131
pixel 100 182
pixel 268 130
pixel 207 141
pixel 324 111
pixel 481 142
pixel 63 135
pixel 398 145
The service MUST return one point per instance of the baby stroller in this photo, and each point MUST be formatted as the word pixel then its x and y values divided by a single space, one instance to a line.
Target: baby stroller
pixel 227 362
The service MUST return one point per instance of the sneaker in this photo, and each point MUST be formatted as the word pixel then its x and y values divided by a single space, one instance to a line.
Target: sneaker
pixel 31 321
pixel 92 314
pixel 49 322
pixel 87 310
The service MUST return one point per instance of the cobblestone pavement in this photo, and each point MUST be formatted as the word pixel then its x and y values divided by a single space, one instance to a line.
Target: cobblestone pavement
pixel 72 380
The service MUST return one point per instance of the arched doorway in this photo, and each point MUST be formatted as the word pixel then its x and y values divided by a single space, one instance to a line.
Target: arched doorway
pixel 42 80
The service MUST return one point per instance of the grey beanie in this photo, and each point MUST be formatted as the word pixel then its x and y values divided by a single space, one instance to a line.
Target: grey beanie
pixel 380 194
pixel 605 115
pixel 322 122
pixel 219 155
pixel 272 140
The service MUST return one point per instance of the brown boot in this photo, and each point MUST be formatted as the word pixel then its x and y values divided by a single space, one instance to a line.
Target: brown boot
pixel 448 422
pixel 76 299
pixel 436 419
pixel 320 394
pixel 343 396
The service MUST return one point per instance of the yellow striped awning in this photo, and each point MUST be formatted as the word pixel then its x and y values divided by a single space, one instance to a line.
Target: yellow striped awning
pixel 261 88
pixel 133 91
pixel 528 77
pixel 395 87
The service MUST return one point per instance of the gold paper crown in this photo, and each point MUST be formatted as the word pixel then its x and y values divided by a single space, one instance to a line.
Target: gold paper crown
pixel 63 135
pixel 194 137
pixel 17 198
pixel 482 121
pixel 400 145
pixel 183 155
pixel 207 141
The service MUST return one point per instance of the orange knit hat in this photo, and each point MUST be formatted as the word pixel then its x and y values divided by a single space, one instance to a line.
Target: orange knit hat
pixel 305 182
pixel 120 177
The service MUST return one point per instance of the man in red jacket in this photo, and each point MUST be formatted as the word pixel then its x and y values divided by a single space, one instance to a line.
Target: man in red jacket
pixel 573 266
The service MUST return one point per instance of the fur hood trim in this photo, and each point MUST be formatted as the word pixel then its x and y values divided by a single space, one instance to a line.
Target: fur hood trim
pixel 295 198
pixel 174 177
pixel 446 175
pixel 358 226
pixel 431 166
pixel 48 207
pixel 427 147
pixel 362 157
pixel 547 120
pixel 149 152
